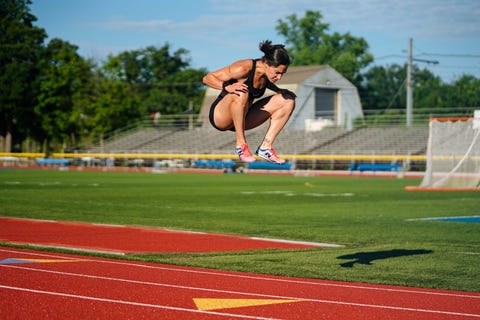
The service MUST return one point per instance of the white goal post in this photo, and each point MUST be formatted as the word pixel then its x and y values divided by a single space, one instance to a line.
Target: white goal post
pixel 453 154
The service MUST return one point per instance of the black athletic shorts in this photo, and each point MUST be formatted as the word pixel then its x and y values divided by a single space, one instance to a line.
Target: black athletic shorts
pixel 212 110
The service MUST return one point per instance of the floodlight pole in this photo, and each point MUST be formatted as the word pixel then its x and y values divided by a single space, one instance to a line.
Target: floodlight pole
pixel 409 84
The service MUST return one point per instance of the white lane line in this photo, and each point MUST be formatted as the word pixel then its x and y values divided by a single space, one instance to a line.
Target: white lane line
pixel 443 218
pixel 315 244
pixel 259 277
pixel 140 304
pixel 378 306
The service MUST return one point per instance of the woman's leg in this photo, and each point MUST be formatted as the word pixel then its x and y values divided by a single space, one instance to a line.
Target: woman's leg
pixel 278 108
pixel 230 112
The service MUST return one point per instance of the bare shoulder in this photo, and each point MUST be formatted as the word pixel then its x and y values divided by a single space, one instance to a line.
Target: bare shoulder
pixel 240 69
pixel 237 70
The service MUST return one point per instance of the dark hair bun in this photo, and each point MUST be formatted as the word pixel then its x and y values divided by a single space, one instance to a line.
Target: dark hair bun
pixel 275 54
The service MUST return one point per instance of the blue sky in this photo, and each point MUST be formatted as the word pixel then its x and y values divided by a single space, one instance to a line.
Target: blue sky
pixel 218 32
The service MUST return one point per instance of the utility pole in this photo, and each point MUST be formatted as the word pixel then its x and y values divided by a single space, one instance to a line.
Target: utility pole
pixel 409 84
pixel 190 115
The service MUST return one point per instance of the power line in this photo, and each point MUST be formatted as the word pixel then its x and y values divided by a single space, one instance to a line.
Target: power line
pixel 451 55
pixel 426 61
pixel 390 56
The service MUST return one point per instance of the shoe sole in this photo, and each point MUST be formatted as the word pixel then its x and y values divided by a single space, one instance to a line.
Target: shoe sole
pixel 268 159
pixel 248 161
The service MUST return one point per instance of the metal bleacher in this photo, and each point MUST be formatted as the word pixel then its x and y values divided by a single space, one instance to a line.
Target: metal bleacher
pixel 374 140
pixel 378 141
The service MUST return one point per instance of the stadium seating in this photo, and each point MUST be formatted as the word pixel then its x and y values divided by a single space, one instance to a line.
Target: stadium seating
pixel 369 141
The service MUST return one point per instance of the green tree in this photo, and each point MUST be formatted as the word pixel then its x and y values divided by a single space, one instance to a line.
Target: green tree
pixel 427 89
pixel 163 82
pixel 176 92
pixel 20 47
pixel 65 83
pixel 114 106
pixel 309 44
pixel 384 88
pixel 383 94
pixel 465 93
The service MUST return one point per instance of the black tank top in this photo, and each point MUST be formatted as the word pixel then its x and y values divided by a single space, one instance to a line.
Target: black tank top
pixel 254 93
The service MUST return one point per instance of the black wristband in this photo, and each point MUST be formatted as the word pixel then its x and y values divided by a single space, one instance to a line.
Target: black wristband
pixel 224 85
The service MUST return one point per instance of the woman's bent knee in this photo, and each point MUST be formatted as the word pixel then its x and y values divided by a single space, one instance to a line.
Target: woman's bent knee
pixel 287 102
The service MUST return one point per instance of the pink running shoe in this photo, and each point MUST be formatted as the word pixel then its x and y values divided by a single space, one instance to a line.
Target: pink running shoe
pixel 269 154
pixel 244 153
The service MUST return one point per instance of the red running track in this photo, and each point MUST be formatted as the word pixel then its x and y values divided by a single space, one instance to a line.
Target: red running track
pixel 60 286
pixel 127 239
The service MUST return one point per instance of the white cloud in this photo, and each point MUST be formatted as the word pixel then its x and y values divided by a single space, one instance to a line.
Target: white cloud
pixel 440 19
pixel 121 23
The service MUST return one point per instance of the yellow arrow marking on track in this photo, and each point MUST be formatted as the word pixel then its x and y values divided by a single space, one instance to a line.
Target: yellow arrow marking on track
pixel 214 304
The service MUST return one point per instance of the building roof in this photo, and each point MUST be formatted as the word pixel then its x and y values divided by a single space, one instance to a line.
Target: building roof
pixel 296 75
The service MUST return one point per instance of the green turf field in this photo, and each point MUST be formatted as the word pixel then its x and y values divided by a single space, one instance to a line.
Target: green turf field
pixel 369 216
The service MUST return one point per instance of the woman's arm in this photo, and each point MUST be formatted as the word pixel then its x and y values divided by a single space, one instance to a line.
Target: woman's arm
pixel 272 86
pixel 236 71
pixel 287 94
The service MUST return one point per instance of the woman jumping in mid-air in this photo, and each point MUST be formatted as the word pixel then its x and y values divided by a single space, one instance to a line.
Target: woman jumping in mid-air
pixel 241 83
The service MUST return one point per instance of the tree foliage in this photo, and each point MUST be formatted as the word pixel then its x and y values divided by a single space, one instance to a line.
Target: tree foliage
pixel 114 105
pixel 384 87
pixel 65 78
pixel 464 92
pixel 20 49
pixel 163 82
pixel 309 43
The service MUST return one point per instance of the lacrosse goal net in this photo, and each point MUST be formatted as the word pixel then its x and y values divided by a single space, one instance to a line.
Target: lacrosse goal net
pixel 453 155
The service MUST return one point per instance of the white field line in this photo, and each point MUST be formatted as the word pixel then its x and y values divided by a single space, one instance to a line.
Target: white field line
pixel 316 244
pixel 442 218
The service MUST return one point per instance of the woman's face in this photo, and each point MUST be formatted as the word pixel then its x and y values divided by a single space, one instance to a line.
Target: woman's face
pixel 275 73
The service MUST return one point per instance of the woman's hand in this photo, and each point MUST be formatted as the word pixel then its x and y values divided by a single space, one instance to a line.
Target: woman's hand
pixel 287 94
pixel 236 88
